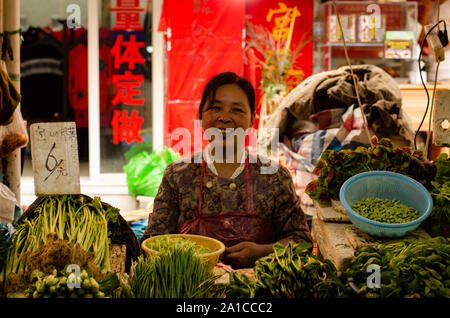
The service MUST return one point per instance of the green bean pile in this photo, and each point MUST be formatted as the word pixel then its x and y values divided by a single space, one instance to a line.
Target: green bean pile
pixel 385 211
pixel 162 242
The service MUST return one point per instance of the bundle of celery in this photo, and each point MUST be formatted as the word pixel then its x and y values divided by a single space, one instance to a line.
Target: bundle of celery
pixel 70 217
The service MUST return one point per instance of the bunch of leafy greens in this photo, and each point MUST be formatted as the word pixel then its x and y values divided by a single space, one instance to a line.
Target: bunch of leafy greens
pixel 335 167
pixel 438 224
pixel 289 272
pixel 3 247
pixel 410 269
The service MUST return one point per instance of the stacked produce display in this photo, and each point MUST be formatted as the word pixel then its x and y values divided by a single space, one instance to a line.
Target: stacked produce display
pixel 57 231
pixel 335 167
pixel 61 247
pixel 410 269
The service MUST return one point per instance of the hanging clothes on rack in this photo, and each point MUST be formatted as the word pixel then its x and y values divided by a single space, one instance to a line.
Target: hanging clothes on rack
pixel 41 76
pixel 78 80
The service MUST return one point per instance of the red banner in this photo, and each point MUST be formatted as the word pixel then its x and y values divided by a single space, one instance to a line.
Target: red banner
pixel 278 17
pixel 203 38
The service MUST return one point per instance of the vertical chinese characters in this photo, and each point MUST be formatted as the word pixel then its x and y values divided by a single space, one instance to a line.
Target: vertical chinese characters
pixel 283 18
pixel 126 51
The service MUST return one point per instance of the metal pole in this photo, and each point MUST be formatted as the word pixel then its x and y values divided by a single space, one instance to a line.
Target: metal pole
pixel 157 78
pixel 94 91
pixel 11 22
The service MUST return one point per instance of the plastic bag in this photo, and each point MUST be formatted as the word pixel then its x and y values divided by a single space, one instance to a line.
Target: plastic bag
pixel 9 208
pixel 14 135
pixel 137 148
pixel 9 96
pixel 13 131
pixel 145 171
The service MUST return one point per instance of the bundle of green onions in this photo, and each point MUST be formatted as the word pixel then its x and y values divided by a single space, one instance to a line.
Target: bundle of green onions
pixel 71 217
pixel 175 273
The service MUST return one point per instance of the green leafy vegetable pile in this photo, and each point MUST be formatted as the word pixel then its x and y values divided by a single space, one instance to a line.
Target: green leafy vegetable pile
pixel 438 223
pixel 3 247
pixel 410 269
pixel 162 242
pixel 290 272
pixel 335 167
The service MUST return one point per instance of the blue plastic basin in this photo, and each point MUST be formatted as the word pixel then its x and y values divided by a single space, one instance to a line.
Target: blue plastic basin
pixel 390 186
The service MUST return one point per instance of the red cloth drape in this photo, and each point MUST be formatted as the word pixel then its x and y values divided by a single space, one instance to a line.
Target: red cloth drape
pixel 203 38
pixel 270 15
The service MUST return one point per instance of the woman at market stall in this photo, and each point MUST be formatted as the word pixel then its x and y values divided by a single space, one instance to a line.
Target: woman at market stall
pixel 224 191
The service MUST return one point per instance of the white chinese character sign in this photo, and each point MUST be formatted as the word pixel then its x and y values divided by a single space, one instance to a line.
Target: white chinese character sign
pixel 54 152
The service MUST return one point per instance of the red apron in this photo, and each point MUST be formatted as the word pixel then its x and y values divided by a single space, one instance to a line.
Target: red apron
pixel 233 227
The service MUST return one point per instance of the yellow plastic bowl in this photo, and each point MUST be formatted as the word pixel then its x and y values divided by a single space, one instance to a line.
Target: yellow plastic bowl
pixel 217 247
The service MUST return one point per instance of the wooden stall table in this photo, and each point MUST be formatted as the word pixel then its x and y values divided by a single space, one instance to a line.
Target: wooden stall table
pixel 225 275
pixel 337 238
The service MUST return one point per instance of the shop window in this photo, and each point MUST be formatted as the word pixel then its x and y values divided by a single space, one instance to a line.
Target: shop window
pixel 125 81
pixel 54 67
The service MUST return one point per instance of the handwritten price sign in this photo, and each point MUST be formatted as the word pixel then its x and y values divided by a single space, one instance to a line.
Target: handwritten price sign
pixel 54 152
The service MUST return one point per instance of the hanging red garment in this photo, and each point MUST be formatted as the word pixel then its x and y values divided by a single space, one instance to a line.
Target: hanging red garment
pixel 78 76
pixel 233 227
pixel 60 33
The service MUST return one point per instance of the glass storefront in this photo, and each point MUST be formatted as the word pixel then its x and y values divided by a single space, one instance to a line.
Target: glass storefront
pixel 55 76
pixel 54 68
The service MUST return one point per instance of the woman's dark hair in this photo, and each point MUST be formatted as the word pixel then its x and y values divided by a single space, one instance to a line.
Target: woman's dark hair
pixel 223 79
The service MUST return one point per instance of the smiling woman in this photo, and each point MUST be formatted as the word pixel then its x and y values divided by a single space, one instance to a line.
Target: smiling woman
pixel 227 111
pixel 202 196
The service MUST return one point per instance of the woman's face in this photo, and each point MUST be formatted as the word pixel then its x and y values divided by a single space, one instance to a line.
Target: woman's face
pixel 229 109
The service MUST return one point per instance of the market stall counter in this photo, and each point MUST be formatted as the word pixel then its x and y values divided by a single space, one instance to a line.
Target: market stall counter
pixel 338 239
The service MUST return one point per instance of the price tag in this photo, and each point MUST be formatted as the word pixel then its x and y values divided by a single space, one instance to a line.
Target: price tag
pixel 54 152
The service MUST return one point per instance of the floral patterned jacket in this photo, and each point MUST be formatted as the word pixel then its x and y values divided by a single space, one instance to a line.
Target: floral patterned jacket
pixel 274 198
